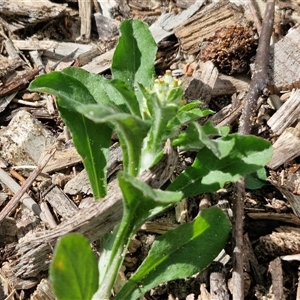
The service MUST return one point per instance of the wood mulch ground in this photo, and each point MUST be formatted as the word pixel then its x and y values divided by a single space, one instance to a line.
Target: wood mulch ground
pixel 211 46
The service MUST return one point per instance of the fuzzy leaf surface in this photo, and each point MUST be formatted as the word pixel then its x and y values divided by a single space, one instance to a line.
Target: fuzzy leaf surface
pixel 196 137
pixel 141 202
pixel 136 40
pixel 131 132
pixel 72 93
pixel 74 270
pixel 180 253
pixel 208 174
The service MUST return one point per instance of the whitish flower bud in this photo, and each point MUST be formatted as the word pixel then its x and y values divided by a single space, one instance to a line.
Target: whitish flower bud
pixel 168 89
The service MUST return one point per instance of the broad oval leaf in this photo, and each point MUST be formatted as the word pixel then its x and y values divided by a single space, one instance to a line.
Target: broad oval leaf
pixel 108 92
pixel 71 94
pixel 208 173
pixel 74 270
pixel 134 56
pixel 180 253
pixel 71 90
pixel 256 180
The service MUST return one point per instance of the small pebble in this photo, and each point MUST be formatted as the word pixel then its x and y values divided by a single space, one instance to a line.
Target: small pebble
pixel 177 73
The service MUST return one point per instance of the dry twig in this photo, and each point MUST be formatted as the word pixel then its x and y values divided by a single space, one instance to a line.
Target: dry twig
pixel 259 82
pixel 255 14
pixel 258 87
pixel 15 187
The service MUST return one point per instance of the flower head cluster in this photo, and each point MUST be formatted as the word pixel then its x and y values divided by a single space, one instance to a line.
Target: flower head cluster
pixel 168 89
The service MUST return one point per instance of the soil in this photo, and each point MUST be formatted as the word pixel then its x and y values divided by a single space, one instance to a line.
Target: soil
pixel 271 219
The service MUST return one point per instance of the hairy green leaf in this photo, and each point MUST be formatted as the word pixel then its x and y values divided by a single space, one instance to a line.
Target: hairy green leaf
pixel 72 94
pixel 74 271
pixel 208 174
pixel 63 86
pixel 134 56
pixel 93 149
pixel 180 253
pixel 256 180
pixel 98 86
pixel 197 136
pixel 186 116
pixel 159 115
pixel 128 96
pixel 131 132
pixel 141 202
pixel 113 93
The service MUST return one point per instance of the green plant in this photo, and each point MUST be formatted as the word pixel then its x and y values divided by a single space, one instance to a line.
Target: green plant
pixel 256 180
pixel 145 112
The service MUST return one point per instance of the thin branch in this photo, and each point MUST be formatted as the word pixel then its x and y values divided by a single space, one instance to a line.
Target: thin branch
pixel 237 234
pixel 257 87
pixel 255 14
pixel 259 80
pixel 15 187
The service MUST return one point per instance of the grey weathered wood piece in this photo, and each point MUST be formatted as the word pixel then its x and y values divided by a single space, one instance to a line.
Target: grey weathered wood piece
pixel 61 203
pixel 284 62
pixel 85 14
pixel 106 27
pixel 44 290
pixel 202 83
pixel 228 85
pixel 218 286
pixel 6 180
pixel 184 3
pixel 100 63
pixel 33 44
pixel 286 147
pixel 64 49
pixel 288 185
pixel 287 114
pixel 277 275
pixel 24 13
pixel 79 184
pixel 165 24
pixel 63 159
pixel 200 26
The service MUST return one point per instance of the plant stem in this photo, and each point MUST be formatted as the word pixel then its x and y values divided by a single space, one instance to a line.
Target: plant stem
pixel 116 259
